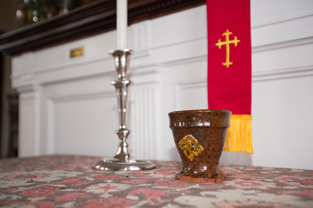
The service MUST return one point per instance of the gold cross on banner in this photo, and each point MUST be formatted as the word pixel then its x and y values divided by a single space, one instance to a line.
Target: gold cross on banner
pixel 227 42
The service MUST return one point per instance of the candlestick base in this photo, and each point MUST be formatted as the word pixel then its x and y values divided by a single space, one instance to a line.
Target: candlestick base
pixel 112 164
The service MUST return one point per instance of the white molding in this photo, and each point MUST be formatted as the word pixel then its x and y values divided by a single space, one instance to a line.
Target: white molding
pixel 282 73
pixel 193 83
pixel 83 96
pixel 50 127
pixel 180 42
pixel 63 66
pixel 139 69
pixel 148 70
pixel 185 61
pixel 144 69
pixel 27 76
pixel 143 122
pixel 30 95
pixel 30 87
pixel 140 39
pixel 24 77
pixel 133 68
pixel 281 20
pixel 29 123
pixel 141 53
pixel 284 44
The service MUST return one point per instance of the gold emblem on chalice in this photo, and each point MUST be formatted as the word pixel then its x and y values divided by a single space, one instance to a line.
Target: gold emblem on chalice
pixel 190 147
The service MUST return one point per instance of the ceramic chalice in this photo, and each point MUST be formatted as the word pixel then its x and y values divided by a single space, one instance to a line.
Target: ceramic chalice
pixel 199 136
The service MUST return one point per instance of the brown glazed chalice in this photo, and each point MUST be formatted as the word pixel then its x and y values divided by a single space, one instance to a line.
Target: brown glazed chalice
pixel 199 136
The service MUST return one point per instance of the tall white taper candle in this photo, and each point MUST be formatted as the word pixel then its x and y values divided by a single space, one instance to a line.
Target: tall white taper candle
pixel 121 24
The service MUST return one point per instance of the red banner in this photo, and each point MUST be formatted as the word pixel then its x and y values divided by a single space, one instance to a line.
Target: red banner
pixel 229 57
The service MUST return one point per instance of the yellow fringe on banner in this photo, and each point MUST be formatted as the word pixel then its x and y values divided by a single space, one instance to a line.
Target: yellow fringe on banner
pixel 239 135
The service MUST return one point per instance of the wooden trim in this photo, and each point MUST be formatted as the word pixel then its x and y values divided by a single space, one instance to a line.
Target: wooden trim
pixel 95 18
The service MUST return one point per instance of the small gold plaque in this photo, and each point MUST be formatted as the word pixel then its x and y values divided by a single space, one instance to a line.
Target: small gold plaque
pixel 190 147
pixel 77 52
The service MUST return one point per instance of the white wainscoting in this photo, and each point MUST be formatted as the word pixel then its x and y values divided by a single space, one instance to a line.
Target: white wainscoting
pixel 68 105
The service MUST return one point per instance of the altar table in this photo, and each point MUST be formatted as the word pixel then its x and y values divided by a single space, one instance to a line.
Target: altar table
pixel 70 181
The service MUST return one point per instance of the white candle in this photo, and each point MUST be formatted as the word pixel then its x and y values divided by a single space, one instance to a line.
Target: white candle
pixel 121 24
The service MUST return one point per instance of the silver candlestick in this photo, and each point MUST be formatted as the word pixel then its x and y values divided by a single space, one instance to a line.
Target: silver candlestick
pixel 122 160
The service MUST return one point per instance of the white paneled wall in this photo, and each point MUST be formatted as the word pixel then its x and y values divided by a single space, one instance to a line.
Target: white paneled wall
pixel 68 106
pixel 282 39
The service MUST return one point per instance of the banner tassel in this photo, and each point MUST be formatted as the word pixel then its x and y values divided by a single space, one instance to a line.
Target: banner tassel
pixel 239 135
